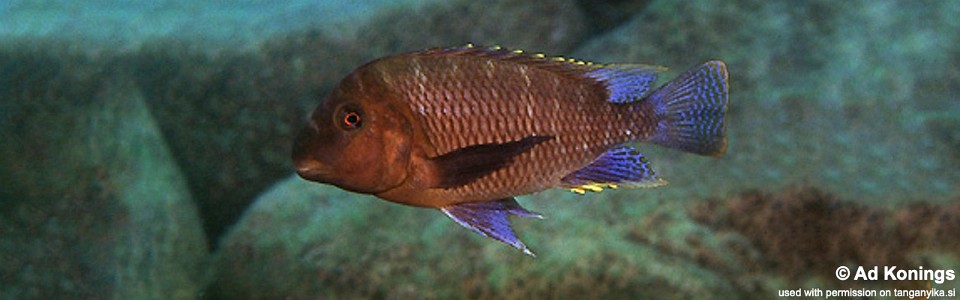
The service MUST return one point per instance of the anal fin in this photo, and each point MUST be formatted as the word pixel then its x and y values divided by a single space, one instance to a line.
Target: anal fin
pixel 619 166
pixel 490 219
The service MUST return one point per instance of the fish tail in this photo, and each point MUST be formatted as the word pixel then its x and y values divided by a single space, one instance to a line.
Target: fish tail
pixel 690 109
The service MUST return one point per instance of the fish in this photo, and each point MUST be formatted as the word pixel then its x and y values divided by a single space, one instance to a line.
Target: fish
pixel 465 130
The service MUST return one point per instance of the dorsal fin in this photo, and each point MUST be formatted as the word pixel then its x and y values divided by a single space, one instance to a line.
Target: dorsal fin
pixel 625 82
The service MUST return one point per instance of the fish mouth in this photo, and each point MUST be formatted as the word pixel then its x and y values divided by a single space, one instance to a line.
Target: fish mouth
pixel 313 170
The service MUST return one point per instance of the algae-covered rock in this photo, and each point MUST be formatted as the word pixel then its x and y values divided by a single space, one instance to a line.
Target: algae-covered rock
pixel 857 138
pixel 93 206
pixel 304 240
pixel 800 236
pixel 250 103
pixel 607 14
pixel 554 26
pixel 854 98
pixel 227 121
pixel 127 25
pixel 304 65
pixel 825 94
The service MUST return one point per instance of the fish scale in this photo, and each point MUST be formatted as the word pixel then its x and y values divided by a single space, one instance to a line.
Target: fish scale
pixel 571 113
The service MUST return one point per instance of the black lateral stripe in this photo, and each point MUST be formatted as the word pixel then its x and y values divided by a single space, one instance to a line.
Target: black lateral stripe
pixel 465 165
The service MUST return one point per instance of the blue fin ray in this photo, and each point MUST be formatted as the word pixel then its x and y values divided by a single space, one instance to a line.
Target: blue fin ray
pixel 620 166
pixel 691 110
pixel 490 219
pixel 626 83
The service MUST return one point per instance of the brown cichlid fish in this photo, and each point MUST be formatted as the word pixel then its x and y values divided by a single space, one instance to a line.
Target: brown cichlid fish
pixel 465 130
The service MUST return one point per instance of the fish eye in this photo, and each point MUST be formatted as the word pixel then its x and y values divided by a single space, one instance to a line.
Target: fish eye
pixel 349 118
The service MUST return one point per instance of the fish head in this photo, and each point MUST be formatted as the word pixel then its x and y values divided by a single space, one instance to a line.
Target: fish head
pixel 354 140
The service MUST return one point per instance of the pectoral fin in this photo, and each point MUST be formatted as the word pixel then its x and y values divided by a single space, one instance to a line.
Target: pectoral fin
pixel 464 165
pixel 490 219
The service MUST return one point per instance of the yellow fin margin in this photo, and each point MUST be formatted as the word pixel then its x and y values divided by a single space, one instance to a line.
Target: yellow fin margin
pixel 593 187
pixel 598 187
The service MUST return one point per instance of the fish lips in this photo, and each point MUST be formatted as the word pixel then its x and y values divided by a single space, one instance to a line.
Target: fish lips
pixel 307 165
pixel 313 171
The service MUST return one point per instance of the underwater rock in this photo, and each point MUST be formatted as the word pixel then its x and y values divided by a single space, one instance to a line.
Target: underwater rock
pixel 821 94
pixel 858 49
pixel 227 118
pixel 805 233
pixel 248 103
pixel 607 14
pixel 304 240
pixel 302 67
pixel 126 25
pixel 308 63
pixel 93 205
pixel 945 128
pixel 555 26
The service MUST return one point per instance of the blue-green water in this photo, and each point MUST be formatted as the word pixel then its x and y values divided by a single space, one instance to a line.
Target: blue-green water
pixel 144 152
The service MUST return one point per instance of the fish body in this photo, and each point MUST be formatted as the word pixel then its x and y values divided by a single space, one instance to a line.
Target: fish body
pixel 466 129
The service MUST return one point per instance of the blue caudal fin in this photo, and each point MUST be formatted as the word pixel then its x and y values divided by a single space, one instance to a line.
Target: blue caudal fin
pixel 490 219
pixel 690 110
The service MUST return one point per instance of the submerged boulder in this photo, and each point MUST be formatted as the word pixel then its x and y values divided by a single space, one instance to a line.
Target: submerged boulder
pixel 250 102
pixel 303 240
pixel 554 26
pixel 93 205
pixel 841 97
pixel 799 236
